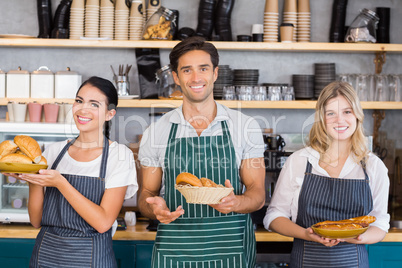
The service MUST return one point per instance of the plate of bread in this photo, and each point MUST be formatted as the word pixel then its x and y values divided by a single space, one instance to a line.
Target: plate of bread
pixel 21 155
pixel 348 228
pixel 200 191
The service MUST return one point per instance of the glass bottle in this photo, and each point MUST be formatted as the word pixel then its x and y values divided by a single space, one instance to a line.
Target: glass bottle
pixel 160 25
pixel 363 28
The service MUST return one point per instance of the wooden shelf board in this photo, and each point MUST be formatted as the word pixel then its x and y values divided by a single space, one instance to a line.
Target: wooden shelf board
pixel 250 46
pixel 155 103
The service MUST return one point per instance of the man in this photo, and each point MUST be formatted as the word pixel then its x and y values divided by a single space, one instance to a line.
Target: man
pixel 208 140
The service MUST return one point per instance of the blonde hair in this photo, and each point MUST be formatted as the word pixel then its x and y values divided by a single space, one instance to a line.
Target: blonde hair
pixel 319 139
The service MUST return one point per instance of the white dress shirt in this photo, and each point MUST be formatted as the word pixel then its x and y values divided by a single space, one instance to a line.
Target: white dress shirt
pixel 285 199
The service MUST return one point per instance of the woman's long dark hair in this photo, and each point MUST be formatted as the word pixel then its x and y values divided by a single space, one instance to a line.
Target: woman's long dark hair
pixel 109 91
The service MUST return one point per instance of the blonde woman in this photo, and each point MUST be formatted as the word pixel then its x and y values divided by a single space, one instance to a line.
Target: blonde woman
pixel 335 177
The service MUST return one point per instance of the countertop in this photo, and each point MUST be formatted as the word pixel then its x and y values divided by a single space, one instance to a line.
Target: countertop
pixel 140 233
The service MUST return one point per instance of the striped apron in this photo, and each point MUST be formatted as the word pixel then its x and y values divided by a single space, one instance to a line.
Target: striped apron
pixel 203 237
pixel 66 239
pixel 325 198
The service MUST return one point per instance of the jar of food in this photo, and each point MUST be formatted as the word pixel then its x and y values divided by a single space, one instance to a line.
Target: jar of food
pixel 363 28
pixel 166 84
pixel 160 25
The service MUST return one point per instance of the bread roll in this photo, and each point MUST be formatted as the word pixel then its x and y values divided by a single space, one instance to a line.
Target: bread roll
pixel 347 224
pixel 208 183
pixel 7 147
pixel 16 158
pixel 43 161
pixel 188 178
pixel 29 146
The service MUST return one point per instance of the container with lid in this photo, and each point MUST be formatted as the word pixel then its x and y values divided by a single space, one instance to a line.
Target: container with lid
pixel 363 28
pixel 160 25
pixel 166 82
pixel 42 83
pixel 18 84
pixel 2 84
pixel 66 84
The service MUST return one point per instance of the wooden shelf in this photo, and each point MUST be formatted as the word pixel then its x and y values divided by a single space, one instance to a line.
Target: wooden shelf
pixel 248 46
pixel 155 103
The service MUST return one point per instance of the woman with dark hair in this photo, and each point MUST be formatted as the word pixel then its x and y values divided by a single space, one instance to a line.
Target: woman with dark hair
pixel 78 199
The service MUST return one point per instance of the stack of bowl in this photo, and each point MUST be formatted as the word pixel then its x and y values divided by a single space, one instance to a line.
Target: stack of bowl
pixel 303 86
pixel 271 21
pixel 303 21
pixel 121 16
pixel 136 20
pixel 92 18
pixel 225 78
pixel 77 12
pixel 245 77
pixel 106 19
pixel 325 73
pixel 290 15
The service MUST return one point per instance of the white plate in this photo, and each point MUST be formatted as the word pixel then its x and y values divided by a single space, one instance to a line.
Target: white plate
pixel 129 97
pixel 16 36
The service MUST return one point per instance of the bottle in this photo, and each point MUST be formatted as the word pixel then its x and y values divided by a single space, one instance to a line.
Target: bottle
pixel 363 28
pixel 160 25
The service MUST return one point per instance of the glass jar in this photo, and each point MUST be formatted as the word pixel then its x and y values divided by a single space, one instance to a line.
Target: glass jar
pixel 160 25
pixel 363 28
pixel 166 83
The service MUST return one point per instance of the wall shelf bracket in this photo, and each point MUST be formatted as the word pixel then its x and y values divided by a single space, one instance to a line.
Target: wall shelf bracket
pixel 379 61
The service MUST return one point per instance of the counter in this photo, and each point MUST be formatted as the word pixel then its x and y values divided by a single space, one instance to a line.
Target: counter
pixel 140 233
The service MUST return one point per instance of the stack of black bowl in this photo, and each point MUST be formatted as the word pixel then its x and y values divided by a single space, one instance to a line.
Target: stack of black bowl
pixel 225 78
pixel 324 73
pixel 303 85
pixel 246 77
pixel 337 29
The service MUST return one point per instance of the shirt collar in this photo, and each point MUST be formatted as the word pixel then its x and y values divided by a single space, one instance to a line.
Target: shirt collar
pixel 178 117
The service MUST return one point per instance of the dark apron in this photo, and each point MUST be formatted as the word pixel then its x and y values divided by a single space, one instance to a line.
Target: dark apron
pixel 324 198
pixel 66 239
pixel 203 237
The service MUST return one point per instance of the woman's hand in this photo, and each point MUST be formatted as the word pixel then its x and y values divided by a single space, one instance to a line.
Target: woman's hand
pixel 15 175
pixel 45 178
pixel 322 240
pixel 162 212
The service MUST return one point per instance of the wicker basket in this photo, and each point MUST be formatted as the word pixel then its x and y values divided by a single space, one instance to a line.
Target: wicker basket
pixel 203 195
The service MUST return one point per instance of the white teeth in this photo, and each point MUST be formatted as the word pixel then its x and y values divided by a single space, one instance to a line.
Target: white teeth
pixel 341 128
pixel 84 119
pixel 196 87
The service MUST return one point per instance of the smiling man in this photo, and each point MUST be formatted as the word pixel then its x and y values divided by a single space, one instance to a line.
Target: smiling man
pixel 209 140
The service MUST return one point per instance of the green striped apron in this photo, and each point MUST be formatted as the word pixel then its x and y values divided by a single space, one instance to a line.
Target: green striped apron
pixel 203 237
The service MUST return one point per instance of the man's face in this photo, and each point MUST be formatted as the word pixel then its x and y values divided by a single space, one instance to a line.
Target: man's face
pixel 196 75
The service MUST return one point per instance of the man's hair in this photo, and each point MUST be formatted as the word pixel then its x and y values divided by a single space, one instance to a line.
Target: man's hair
pixel 189 44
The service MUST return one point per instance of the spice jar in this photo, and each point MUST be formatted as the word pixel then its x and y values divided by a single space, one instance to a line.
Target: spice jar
pixel 363 28
pixel 160 25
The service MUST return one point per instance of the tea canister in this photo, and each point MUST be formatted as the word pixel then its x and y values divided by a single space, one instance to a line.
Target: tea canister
pixel 66 84
pixel 18 84
pixel 2 84
pixel 42 83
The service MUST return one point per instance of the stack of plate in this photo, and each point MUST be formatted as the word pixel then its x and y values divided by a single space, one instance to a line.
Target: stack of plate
pixel 92 19
pixel 271 21
pixel 303 86
pixel 77 16
pixel 136 20
pixel 106 19
pixel 153 6
pixel 325 73
pixel 121 15
pixel 290 15
pixel 225 78
pixel 245 77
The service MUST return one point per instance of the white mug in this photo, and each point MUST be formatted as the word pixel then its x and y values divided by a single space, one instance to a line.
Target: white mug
pixel 130 218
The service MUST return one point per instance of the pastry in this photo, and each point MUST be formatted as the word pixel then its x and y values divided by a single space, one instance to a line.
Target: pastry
pixel 16 158
pixel 208 183
pixel 7 147
pixel 29 146
pixel 185 178
pixel 347 224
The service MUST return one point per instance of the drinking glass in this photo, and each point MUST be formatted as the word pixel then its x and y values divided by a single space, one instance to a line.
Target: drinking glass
pixel 288 93
pixel 274 93
pixel 381 88
pixel 395 87
pixel 245 93
pixel 259 93
pixel 229 93
pixel 361 87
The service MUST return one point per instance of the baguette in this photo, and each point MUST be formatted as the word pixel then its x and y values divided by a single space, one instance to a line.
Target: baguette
pixel 347 224
pixel 16 158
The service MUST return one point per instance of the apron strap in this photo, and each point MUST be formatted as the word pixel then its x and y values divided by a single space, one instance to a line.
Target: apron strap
pixel 309 167
pixel 62 153
pixel 173 131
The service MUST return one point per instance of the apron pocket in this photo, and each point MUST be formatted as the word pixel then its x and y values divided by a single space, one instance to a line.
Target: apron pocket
pixel 341 255
pixel 57 251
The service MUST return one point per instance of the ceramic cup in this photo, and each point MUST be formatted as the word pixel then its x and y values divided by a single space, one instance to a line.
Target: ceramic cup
pixel 130 218
pixel 51 112
pixel 68 113
pixel 10 111
pixel 35 111
pixel 20 112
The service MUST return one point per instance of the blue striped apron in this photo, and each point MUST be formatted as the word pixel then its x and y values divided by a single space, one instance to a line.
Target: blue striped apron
pixel 203 237
pixel 325 198
pixel 66 239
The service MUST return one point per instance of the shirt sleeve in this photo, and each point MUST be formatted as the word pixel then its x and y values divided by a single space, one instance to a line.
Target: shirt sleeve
pixel 379 184
pixel 147 155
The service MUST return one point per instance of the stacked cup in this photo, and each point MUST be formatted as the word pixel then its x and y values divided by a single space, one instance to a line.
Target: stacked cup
pixel 106 19
pixel 153 6
pixel 136 20
pixel 121 16
pixel 77 12
pixel 271 21
pixel 303 21
pixel 290 15
pixel 92 19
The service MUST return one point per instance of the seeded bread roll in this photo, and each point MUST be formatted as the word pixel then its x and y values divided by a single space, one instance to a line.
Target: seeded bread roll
pixel 188 178
pixel 16 158
pixel 7 147
pixel 29 146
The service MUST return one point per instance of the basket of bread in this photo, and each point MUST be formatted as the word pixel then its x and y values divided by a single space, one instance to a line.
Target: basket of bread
pixel 200 191
pixel 347 228
pixel 21 155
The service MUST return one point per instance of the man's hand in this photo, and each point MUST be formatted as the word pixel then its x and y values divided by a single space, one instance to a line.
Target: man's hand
pixel 162 212
pixel 228 203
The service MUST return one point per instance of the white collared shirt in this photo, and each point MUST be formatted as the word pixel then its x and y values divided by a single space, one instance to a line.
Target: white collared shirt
pixel 284 202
